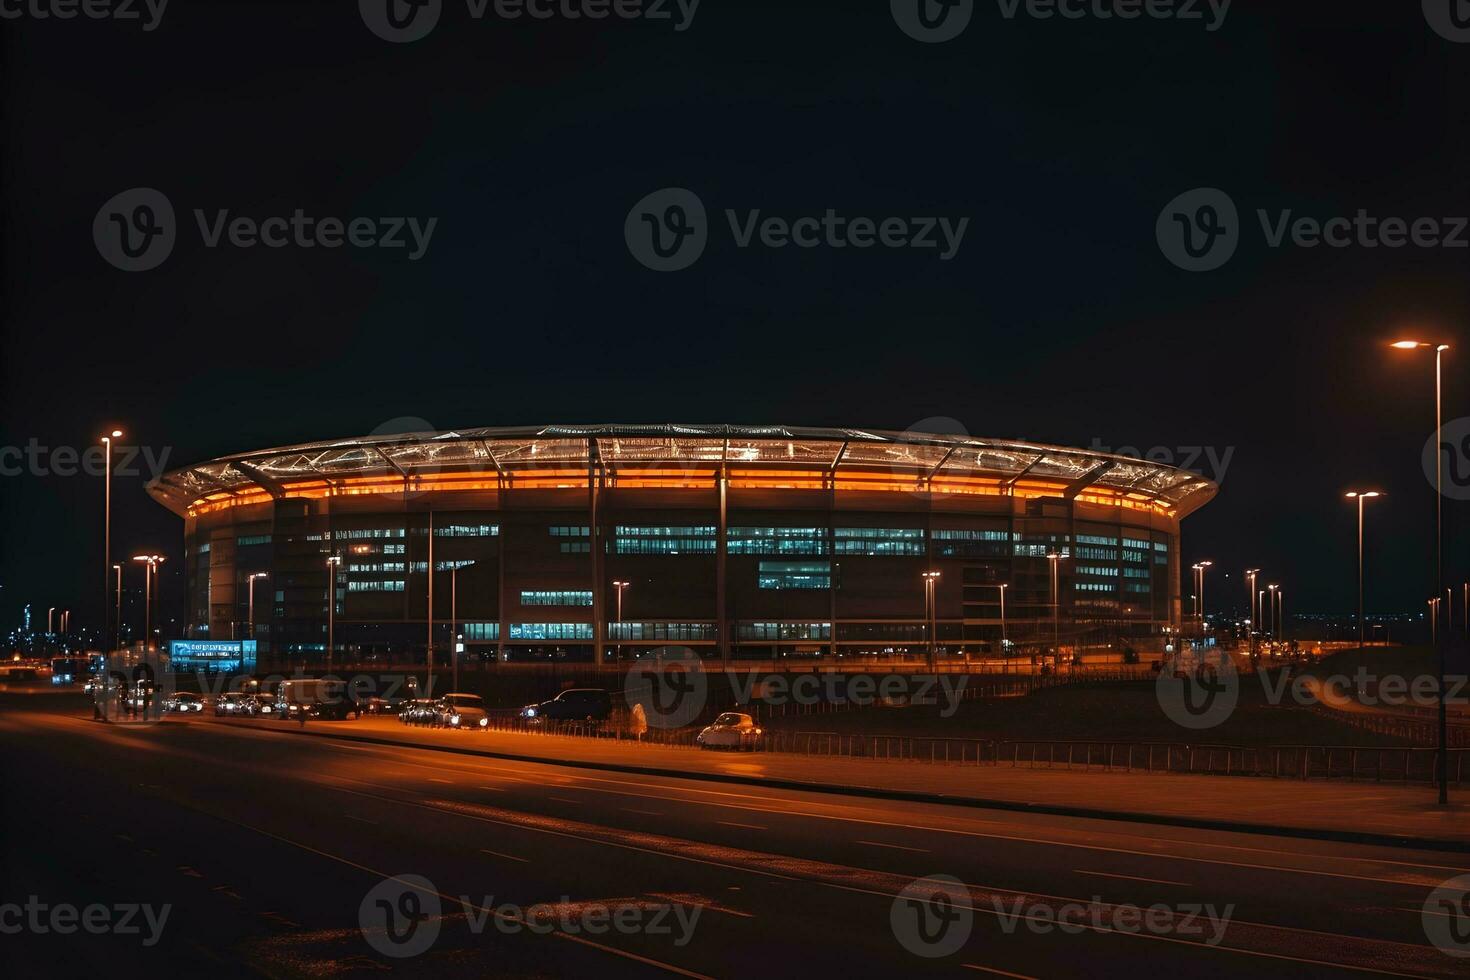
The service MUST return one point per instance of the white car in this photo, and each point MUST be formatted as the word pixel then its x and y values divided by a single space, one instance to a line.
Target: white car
pixel 184 703
pixel 731 730
pixel 463 711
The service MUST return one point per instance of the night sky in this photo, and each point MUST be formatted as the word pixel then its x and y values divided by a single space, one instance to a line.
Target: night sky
pixel 1059 319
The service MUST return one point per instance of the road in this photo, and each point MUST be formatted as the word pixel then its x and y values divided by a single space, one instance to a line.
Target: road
pixel 267 847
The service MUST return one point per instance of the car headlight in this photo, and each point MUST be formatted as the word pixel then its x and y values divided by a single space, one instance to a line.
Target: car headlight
pixel 454 719
pixel 484 722
pixel 529 712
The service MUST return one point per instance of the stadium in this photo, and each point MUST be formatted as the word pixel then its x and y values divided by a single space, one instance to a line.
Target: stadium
pixel 595 543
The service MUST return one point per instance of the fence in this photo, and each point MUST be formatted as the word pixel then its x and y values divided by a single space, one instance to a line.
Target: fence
pixel 1353 763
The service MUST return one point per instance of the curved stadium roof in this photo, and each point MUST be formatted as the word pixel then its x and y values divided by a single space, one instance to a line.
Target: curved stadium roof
pixel 673 455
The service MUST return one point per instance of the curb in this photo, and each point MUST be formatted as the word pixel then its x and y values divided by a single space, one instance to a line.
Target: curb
pixel 915 796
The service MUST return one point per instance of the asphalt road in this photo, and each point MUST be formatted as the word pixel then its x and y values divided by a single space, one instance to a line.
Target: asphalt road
pixel 289 856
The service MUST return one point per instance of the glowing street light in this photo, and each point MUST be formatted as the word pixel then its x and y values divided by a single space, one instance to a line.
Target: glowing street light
pixel 1442 757
pixel 333 561
pixel 251 580
pixel 1274 630
pixel 1199 571
pixel 152 562
pixel 931 580
pixel 1250 575
pixel 1360 496
pixel 454 618
pixel 107 528
pixel 620 586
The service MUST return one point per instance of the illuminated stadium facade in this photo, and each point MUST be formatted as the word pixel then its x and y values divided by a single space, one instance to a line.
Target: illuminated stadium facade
pixel 742 542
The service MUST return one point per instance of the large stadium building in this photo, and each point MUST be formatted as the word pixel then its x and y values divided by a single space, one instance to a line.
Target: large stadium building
pixel 742 542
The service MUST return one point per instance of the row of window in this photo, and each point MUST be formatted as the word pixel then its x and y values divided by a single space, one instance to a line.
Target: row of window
pixel 555 598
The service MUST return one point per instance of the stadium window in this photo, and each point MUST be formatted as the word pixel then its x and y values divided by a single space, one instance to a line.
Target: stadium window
pixel 794 575
pixel 555 598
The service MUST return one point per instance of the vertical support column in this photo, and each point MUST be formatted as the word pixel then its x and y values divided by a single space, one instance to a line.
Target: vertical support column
pixel 594 536
pixel 722 630
pixel 501 603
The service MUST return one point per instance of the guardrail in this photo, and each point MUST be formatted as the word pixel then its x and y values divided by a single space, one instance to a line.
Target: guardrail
pixel 1421 727
pixel 1352 763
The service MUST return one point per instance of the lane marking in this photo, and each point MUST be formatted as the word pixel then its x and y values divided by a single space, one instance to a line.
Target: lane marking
pixel 561 799
pixel 747 826
pixel 360 819
pixel 511 857
pixel 1105 874
pixel 447 782
pixel 896 847
pixel 650 813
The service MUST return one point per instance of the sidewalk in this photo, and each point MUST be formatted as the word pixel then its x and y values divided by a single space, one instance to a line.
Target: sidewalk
pixel 1374 813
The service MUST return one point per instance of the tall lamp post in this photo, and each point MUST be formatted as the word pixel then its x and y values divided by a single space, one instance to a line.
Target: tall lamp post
pixel 332 562
pixel 117 608
pixel 619 586
pixel 931 579
pixel 1055 558
pixel 1250 576
pixel 151 563
pixel 1272 603
pixel 1361 496
pixel 251 580
pixel 454 619
pixel 1005 661
pixel 1200 572
pixel 107 528
pixel 1442 757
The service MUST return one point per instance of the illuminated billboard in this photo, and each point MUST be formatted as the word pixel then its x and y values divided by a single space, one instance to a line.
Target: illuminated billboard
pixel 212 656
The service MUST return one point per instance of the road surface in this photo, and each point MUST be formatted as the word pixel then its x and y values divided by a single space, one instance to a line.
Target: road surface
pixel 282 856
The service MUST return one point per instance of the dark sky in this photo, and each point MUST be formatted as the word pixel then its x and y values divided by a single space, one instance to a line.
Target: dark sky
pixel 1058 320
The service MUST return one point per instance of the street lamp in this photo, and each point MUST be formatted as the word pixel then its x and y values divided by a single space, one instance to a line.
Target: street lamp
pixel 1250 574
pixel 1360 496
pixel 1273 589
pixel 454 618
pixel 1055 558
pixel 251 580
pixel 1199 570
pixel 117 611
pixel 1005 661
pixel 152 562
pixel 332 562
pixel 1442 758
pixel 620 586
pixel 107 523
pixel 931 579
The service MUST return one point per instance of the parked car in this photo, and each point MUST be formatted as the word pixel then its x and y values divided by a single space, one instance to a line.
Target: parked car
pixel 314 698
pixel 731 730
pixel 463 711
pixel 575 704
pixel 380 706
pixel 184 703
pixel 232 703
pixel 261 704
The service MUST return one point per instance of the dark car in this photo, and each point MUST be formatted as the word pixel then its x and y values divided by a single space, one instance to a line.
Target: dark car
pixel 576 704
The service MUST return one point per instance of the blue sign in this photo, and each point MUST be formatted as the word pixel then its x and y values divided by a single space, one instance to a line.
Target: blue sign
pixel 212 656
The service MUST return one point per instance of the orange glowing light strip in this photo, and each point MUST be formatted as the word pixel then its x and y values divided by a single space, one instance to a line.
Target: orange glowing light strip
pixel 677 479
